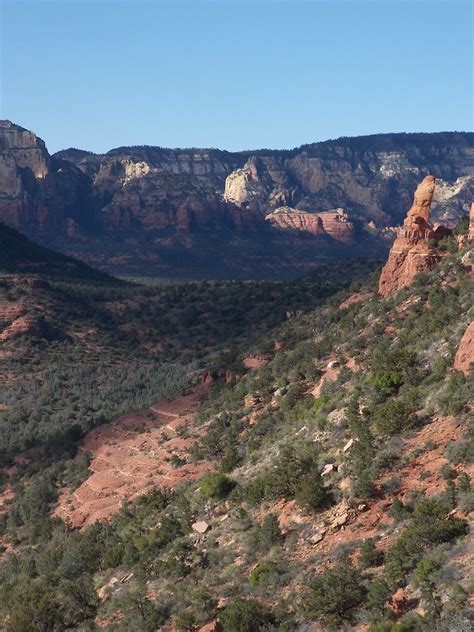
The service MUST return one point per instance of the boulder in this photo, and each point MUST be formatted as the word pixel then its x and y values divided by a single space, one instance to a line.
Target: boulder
pixel 348 445
pixel 200 527
pixel 317 537
pixel 328 468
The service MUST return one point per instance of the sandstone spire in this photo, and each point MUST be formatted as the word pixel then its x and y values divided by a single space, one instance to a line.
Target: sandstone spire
pixel 412 251
pixel 422 200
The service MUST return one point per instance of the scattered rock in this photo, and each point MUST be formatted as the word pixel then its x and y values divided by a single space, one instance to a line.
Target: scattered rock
pixel 341 520
pixel 340 515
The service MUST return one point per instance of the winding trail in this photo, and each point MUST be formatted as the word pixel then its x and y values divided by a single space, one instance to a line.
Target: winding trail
pixel 133 455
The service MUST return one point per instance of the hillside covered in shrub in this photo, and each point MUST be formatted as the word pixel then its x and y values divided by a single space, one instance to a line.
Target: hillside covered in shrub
pixel 335 431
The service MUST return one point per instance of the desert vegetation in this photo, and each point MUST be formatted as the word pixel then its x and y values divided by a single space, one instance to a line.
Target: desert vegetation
pixel 341 462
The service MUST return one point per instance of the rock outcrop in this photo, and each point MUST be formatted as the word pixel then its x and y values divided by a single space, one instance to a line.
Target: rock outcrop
pixel 38 193
pixel 414 250
pixel 288 218
pixel 27 326
pixel 465 353
pixel 335 223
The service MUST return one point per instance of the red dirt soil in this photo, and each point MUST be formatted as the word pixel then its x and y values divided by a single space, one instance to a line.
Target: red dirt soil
pixel 254 362
pixel 357 297
pixel 130 456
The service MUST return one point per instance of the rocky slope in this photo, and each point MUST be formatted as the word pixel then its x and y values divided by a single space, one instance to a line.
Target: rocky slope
pixel 337 435
pixel 149 205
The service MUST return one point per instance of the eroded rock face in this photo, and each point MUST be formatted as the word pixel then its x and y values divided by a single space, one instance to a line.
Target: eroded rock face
pixel 414 250
pixel 262 183
pixel 288 218
pixel 465 353
pixel 37 194
pixel 335 224
pixel 338 225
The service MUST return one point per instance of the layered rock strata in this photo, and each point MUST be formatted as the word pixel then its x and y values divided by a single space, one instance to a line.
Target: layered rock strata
pixel 335 223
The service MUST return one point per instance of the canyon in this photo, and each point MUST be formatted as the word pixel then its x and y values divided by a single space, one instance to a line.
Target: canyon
pixel 154 210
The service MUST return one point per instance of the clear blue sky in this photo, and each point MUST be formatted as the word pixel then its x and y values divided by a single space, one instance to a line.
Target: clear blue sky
pixel 233 74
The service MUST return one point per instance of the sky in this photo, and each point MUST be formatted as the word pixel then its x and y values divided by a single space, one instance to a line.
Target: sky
pixel 233 74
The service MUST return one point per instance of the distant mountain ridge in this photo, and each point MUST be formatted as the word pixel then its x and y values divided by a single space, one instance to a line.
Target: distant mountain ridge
pixel 158 209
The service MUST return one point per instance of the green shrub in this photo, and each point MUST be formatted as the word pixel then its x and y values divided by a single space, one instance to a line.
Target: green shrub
pixel 296 475
pixel 387 383
pixel 428 527
pixel 425 578
pixel 335 595
pixel 378 596
pixel 263 574
pixel 393 417
pixel 216 485
pixel 369 555
pixel 311 495
pixel 185 622
pixel 245 615
pixel 267 534
pixel 363 486
pixel 230 460
pixel 35 607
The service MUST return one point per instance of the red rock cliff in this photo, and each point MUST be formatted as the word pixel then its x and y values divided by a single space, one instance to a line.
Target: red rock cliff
pixel 335 224
pixel 414 249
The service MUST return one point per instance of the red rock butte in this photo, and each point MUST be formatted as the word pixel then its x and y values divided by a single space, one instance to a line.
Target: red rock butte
pixel 414 250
